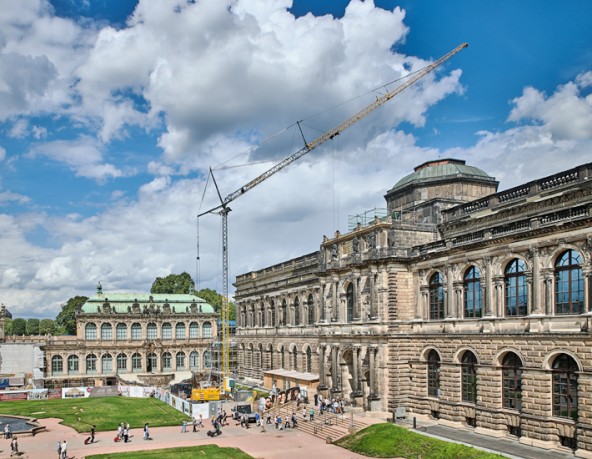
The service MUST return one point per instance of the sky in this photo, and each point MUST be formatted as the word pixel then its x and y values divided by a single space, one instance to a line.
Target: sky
pixel 113 112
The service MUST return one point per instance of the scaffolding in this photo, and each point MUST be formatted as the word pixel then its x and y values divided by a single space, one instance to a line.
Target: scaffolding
pixel 366 218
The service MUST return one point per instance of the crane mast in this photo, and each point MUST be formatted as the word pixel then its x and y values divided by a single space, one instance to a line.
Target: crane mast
pixel 308 147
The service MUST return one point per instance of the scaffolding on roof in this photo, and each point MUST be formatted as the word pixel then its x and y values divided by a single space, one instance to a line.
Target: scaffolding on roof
pixel 365 218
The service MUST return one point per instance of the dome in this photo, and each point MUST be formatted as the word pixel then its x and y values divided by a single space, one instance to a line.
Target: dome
pixel 442 168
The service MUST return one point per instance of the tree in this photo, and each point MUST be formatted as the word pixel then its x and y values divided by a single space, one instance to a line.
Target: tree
pixel 19 326
pixel 46 327
pixel 7 326
pixel 215 299
pixel 174 284
pixel 66 320
pixel 32 326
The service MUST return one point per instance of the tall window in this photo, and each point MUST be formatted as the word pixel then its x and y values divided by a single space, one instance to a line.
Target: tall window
pixel 272 314
pixel 282 358
pixel 308 361
pixel 565 387
pixel 469 377
pixel 91 363
pixel 151 362
pixel 167 361
pixel 512 381
pixel 515 279
pixel 180 331
pixel 436 297
pixel 90 332
pixel 151 332
pixel 193 330
pixel 167 331
pixel 106 363
pixel 73 365
pixel 121 332
pixel 262 312
pixel 473 297
pixel 180 360
pixel 207 359
pixel 284 313
pixel 349 298
pixel 311 315
pixel 106 332
pixel 57 365
pixel 121 362
pixel 194 360
pixel 136 331
pixel 296 312
pixel 569 283
pixel 136 362
pixel 207 330
pixel 295 360
pixel 433 374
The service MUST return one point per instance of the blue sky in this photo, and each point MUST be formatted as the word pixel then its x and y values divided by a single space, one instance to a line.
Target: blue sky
pixel 112 112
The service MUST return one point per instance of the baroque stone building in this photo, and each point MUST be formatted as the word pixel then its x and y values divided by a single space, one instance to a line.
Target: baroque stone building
pixel 465 305
pixel 149 338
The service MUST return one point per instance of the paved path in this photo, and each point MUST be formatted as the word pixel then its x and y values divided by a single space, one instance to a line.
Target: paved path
pixel 287 444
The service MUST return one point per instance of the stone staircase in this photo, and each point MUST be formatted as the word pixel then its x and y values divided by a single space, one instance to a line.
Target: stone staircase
pixel 328 426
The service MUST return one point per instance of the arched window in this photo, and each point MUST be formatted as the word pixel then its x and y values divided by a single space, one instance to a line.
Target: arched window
pixel 167 359
pixel 569 283
pixel 262 312
pixel 57 365
pixel 151 332
pixel 180 331
pixel 284 313
pixel 311 313
pixel 106 363
pixel 121 332
pixel 469 377
pixel 206 328
pixel 167 331
pixel 436 290
pixel 515 279
pixel 106 332
pixel 193 330
pixel 207 360
pixel 272 314
pixel 433 374
pixel 73 365
pixel 308 361
pixel 194 361
pixel 90 332
pixel 136 363
pixel 282 358
pixel 295 359
pixel 512 381
pixel 151 362
pixel 136 331
pixel 180 360
pixel 472 290
pixel 91 364
pixel 121 362
pixel 296 311
pixel 349 298
pixel 565 387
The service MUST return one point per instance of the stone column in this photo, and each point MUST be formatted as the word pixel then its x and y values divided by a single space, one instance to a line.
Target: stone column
pixel 499 297
pixel 357 300
pixel 355 376
pixel 487 297
pixel 448 294
pixel 335 301
pixel 322 303
pixel 322 375
pixel 422 308
pixel 372 368
pixel 334 366
pixel 587 307
pixel 458 300
pixel 373 297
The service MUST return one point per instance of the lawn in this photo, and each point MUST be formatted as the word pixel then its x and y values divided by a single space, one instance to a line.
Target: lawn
pixel 106 413
pixel 389 440
pixel 209 451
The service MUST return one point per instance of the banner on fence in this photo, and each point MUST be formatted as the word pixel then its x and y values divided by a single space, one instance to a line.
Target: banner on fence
pixel 76 392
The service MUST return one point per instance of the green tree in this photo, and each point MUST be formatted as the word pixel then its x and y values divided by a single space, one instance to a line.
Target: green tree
pixel 174 283
pixel 66 320
pixel 32 326
pixel 215 299
pixel 7 326
pixel 46 327
pixel 19 326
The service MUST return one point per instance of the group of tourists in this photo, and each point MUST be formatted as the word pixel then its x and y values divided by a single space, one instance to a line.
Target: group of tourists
pixel 62 449
pixel 123 432
pixel 336 406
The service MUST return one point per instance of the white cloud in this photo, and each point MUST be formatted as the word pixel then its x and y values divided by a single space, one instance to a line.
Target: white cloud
pixel 2 153
pixel 7 196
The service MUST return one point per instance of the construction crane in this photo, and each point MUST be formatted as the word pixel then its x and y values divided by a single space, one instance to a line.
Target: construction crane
pixel 222 209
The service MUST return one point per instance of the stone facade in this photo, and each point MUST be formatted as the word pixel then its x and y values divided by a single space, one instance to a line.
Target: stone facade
pixel 465 305
pixel 155 339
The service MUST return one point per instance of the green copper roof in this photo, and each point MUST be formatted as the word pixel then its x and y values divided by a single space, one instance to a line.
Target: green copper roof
pixel 121 302
pixel 442 168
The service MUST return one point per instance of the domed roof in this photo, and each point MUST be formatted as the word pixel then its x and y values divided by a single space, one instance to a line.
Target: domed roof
pixel 442 168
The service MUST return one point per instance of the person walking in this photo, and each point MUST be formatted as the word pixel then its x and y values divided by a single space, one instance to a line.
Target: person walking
pixel 125 434
pixel 59 450
pixel 14 447
pixel 64 449
pixel 311 414
pixel 200 421
pixel 146 432
pixel 92 434
pixel 184 426
pixel 194 422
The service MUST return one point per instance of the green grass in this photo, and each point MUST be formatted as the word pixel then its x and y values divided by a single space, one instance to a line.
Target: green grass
pixel 106 413
pixel 389 440
pixel 206 451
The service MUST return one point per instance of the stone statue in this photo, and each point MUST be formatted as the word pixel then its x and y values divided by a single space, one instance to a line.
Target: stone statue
pixel 334 252
pixel 391 238
pixel 356 245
